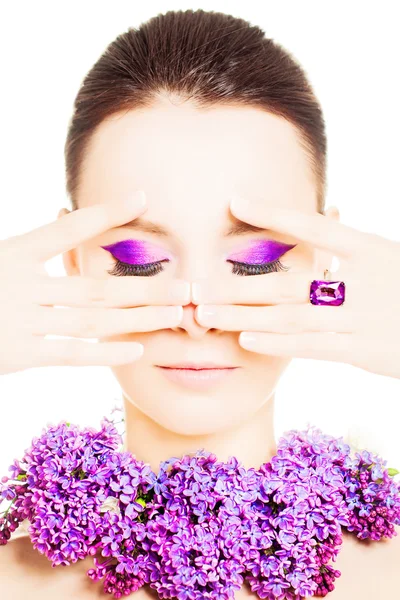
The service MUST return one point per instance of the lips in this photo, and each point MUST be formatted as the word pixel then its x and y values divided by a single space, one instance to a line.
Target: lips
pixel 197 376
pixel 197 366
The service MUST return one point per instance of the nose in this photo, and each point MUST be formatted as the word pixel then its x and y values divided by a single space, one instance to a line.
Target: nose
pixel 189 323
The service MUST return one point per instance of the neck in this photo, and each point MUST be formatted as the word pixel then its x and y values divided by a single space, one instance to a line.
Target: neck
pixel 252 442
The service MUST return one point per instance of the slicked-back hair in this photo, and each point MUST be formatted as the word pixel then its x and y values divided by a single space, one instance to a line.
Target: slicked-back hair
pixel 205 57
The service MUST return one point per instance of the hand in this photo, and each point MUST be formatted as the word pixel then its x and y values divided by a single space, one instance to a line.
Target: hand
pixel 366 325
pixel 99 306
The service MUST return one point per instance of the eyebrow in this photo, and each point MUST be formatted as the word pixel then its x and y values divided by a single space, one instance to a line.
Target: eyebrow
pixel 237 228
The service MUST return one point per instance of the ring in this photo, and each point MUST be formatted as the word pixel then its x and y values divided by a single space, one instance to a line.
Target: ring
pixel 328 293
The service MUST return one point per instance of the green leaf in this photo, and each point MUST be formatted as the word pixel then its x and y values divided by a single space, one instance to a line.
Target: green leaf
pixel 393 472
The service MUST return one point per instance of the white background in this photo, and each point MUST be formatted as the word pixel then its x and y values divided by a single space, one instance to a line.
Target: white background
pixel 350 51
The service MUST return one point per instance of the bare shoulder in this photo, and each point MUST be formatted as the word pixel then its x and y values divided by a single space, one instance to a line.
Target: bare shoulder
pixel 368 568
pixel 368 571
pixel 18 555
pixel 26 573
pixel 19 567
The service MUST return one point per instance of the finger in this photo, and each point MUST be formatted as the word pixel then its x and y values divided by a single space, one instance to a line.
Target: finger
pixel 336 347
pixel 121 292
pixel 271 288
pixel 315 228
pixel 103 322
pixel 276 319
pixel 76 353
pixel 76 227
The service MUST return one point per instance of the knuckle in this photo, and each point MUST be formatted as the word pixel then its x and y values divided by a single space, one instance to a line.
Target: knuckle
pixel 98 291
pixel 293 319
pixel 293 327
pixel 282 319
pixel 287 295
pixel 87 324
pixel 286 291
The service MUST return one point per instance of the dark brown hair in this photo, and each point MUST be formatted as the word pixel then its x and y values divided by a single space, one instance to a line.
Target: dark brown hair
pixel 208 58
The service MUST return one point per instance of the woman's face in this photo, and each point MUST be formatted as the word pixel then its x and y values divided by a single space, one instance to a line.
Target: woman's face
pixel 189 162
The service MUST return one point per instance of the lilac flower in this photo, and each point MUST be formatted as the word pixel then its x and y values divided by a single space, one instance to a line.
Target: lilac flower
pixel 300 498
pixel 200 516
pixel 372 496
pixel 199 528
pixel 64 494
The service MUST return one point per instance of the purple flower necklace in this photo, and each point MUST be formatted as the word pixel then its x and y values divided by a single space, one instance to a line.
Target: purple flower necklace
pixel 201 527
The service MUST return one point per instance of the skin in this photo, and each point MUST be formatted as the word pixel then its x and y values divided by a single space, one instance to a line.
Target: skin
pixel 96 305
pixel 362 338
pixel 235 417
pixel 368 573
pixel 161 419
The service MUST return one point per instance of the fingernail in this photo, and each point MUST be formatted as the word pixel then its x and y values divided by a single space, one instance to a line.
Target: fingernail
pixel 205 312
pixel 201 289
pixel 247 340
pixel 196 292
pixel 138 200
pixel 179 291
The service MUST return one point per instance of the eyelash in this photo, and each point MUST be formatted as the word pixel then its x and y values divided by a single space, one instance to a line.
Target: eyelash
pixel 122 269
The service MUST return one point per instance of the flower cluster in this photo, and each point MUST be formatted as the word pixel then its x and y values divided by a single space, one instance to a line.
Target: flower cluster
pixel 200 528
pixel 372 496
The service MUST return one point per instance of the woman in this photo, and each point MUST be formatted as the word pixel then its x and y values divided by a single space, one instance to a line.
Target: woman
pixel 195 108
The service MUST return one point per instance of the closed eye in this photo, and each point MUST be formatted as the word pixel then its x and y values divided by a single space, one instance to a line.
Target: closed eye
pixel 240 268
pixel 122 269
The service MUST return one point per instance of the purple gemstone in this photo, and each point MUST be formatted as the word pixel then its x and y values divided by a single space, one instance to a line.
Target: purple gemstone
pixel 330 293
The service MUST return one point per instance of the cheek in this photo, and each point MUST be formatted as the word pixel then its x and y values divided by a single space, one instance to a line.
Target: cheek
pixel 256 363
pixel 262 368
pixel 262 374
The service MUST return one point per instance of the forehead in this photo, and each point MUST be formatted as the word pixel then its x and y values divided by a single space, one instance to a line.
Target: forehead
pixel 190 161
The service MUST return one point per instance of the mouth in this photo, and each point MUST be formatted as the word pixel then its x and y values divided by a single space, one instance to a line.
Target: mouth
pixel 197 375
pixel 205 366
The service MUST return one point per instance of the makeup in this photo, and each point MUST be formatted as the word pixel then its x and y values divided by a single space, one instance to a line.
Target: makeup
pixel 144 259
pixel 260 251
pixel 137 252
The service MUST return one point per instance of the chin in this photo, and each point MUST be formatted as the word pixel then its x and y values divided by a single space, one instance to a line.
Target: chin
pixel 192 413
pixel 212 408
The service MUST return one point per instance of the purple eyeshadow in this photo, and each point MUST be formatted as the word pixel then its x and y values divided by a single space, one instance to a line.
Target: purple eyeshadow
pixel 261 251
pixel 136 252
